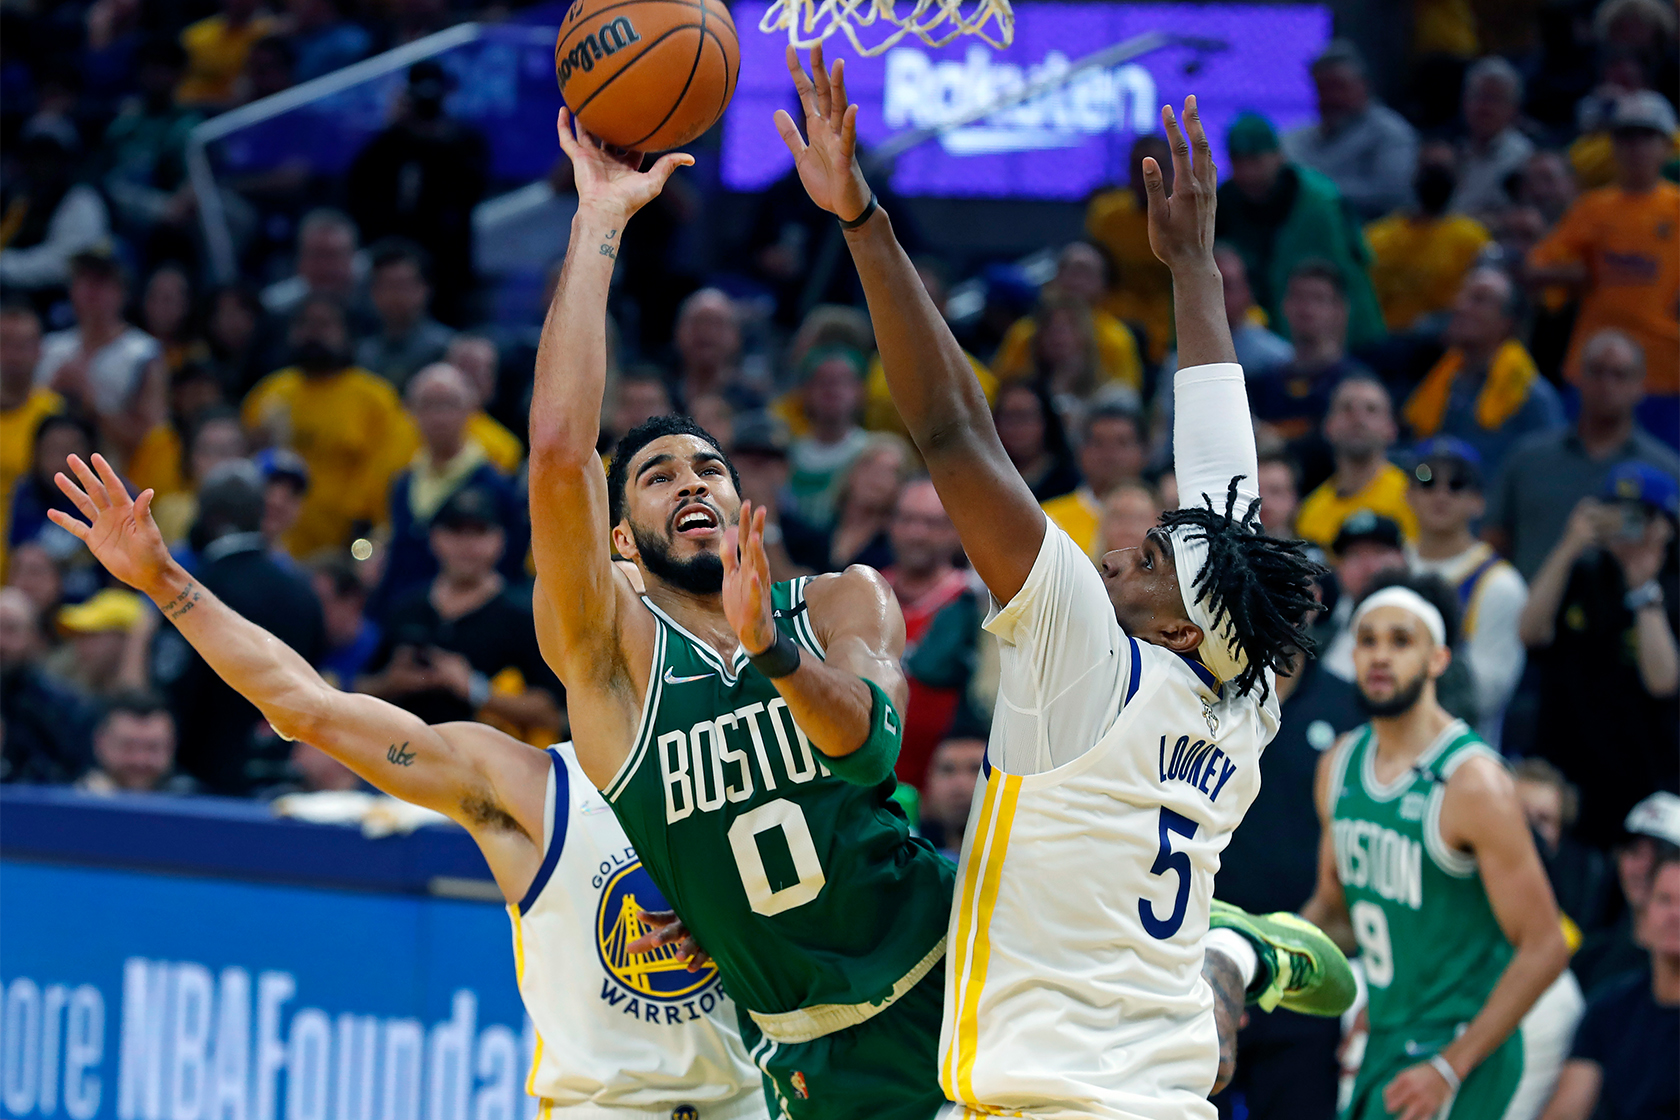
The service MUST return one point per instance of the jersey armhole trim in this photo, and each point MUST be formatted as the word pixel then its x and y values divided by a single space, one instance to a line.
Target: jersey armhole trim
pixel 1137 672
pixel 562 805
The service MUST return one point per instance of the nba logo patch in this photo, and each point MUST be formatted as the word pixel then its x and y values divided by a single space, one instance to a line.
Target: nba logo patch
pixel 798 1081
pixel 685 1112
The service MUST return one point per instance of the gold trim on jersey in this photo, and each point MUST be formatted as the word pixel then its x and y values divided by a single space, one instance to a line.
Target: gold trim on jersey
pixel 972 953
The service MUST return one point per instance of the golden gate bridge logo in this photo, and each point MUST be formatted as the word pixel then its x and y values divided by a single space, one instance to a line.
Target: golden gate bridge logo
pixel 661 974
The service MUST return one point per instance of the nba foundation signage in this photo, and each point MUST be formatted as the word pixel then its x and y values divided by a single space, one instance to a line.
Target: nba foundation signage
pixel 134 996
pixel 1062 144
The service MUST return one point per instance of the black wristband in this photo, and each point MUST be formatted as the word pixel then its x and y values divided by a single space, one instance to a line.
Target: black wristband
pixel 781 659
pixel 868 212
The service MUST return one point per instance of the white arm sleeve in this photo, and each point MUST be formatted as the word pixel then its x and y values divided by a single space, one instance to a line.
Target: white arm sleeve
pixel 1213 435
pixel 1495 650
pixel 1064 662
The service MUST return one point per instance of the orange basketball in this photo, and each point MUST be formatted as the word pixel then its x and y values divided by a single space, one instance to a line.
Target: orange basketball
pixel 647 74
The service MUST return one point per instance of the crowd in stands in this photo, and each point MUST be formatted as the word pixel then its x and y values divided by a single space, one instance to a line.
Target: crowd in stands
pixel 1459 319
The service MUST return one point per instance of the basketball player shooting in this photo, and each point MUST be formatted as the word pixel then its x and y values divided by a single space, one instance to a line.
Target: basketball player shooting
pixel 1133 705
pixel 531 813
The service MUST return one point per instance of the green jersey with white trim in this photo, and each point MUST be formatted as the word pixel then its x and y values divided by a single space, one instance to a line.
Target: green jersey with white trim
pixel 805 889
pixel 1430 943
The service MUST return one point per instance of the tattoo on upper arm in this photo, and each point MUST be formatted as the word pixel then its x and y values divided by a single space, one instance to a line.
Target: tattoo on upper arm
pixel 400 755
pixel 182 603
pixel 607 248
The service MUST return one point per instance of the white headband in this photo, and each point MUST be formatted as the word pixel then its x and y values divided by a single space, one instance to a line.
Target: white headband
pixel 1219 649
pixel 1411 602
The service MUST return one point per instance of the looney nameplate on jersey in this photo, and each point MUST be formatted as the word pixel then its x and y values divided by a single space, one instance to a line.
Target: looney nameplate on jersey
pixel 654 987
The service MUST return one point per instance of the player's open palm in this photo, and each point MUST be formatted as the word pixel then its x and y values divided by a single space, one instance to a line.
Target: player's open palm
pixel 611 178
pixel 119 530
pixel 746 582
pixel 1181 224
pixel 827 157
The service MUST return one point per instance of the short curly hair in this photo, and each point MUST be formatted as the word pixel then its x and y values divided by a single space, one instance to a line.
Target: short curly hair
pixel 618 474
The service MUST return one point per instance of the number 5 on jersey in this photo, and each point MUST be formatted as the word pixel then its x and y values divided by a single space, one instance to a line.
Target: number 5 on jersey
pixel 1177 862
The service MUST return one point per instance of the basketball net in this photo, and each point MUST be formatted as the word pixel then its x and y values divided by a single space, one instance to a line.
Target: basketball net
pixel 935 22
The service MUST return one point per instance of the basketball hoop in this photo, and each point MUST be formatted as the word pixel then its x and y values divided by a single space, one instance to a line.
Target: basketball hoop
pixel 935 22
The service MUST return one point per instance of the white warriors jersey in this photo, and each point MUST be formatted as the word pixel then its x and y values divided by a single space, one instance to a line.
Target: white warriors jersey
pixel 1074 984
pixel 617 1035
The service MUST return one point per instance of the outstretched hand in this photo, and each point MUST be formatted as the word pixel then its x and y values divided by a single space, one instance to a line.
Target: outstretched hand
pixel 827 158
pixel 119 530
pixel 611 179
pixel 746 582
pixel 668 929
pixel 1181 224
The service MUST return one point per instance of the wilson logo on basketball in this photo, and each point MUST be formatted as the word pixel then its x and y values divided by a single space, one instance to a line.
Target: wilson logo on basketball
pixel 605 42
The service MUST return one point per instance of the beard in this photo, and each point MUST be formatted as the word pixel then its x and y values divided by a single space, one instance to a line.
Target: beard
pixel 1403 700
pixel 702 574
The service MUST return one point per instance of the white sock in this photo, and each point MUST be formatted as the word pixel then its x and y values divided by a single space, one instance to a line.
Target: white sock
pixel 1235 947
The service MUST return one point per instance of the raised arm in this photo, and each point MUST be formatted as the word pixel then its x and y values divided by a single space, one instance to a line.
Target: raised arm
pixel 489 782
pixel 932 383
pixel 570 536
pixel 862 631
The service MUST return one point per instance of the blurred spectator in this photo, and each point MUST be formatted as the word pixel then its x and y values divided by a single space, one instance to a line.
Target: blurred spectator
pixel 476 357
pixel 927 582
pixel 1548 185
pixel 713 413
pixel 1035 441
pixel 1128 513
pixel 1547 475
pixel 466 647
pixel 1621 1064
pixel 1578 874
pixel 352 637
pixel 216 437
pixel 1650 831
pixel 1600 622
pixel 1286 1063
pixel 1070 342
pixel 831 395
pixel 23 404
pixel 346 423
pixel 1117 219
pixel 1493 147
pixel 33 571
pixel 1485 389
pixel 55 216
pixel 326 264
pixel 143 158
pixel 866 497
pixel 759 450
pixel 639 393
pixel 1367 545
pixel 323 39
pixel 104 367
pixel 1293 398
pixel 948 795
pixel 1618 245
pixel 216 48
pixel 1420 254
pixel 408 338
pixel 1276 213
pixel 420 179
pixel 707 336
pixel 268 69
pixel 449 460
pixel 134 750
pixel 220 743
pixel 57 437
pixel 1279 483
pixel 47 734
pixel 232 321
pixel 166 313
pixel 107 647
pixel 1364 147
pixel 1447 498
pixel 1113 450
pixel 313 770
pixel 1360 429
pixel 285 484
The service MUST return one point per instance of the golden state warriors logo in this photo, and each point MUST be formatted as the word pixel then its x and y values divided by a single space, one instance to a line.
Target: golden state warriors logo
pixel 656 987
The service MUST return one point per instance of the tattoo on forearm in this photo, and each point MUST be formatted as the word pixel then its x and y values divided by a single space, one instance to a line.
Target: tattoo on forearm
pixel 182 603
pixel 400 756
pixel 607 249
pixel 1228 999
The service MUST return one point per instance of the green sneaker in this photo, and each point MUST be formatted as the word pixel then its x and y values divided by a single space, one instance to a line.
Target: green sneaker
pixel 1302 970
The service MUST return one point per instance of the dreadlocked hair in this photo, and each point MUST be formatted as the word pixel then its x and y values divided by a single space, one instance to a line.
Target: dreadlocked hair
pixel 1263 585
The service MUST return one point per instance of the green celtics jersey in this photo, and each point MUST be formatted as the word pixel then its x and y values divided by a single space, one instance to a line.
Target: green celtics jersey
pixel 805 889
pixel 1431 946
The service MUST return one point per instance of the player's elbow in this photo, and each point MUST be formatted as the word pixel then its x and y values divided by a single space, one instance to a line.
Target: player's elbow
pixel 300 713
pixel 1547 946
pixel 565 445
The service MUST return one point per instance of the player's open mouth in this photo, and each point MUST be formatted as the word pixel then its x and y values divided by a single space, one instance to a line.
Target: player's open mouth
pixel 695 520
